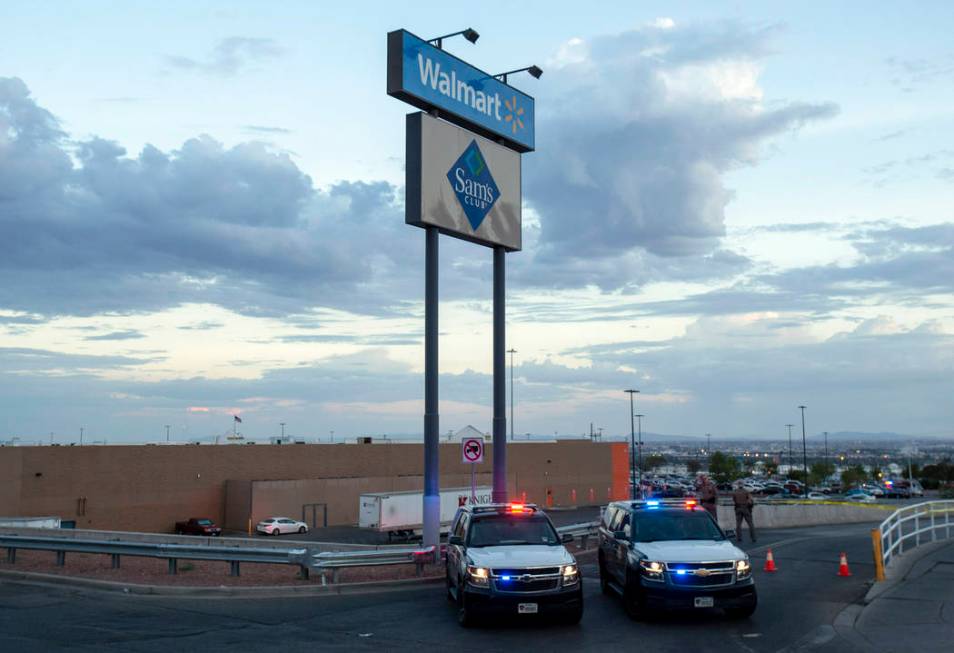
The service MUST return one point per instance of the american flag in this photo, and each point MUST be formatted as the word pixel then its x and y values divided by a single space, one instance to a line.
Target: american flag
pixel 237 418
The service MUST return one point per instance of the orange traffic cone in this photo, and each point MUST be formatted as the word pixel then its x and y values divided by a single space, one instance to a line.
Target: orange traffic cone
pixel 843 566
pixel 770 562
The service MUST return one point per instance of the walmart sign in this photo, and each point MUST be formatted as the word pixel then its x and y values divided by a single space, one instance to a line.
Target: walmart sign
pixel 430 78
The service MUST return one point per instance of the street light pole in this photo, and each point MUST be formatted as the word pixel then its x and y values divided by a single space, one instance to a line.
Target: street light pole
pixel 511 351
pixel 639 445
pixel 282 424
pixel 81 436
pixel 167 432
pixel 791 460
pixel 708 444
pixel 826 447
pixel 632 444
pixel 804 450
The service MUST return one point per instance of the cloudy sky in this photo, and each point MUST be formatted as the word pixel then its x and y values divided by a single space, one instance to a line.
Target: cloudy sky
pixel 734 208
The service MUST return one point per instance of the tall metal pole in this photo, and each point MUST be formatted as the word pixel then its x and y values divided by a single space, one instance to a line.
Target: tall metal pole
pixel 826 447
pixel 639 446
pixel 167 432
pixel 81 435
pixel 512 351
pixel 632 444
pixel 708 444
pixel 791 459
pixel 283 429
pixel 804 450
pixel 500 383
pixel 432 497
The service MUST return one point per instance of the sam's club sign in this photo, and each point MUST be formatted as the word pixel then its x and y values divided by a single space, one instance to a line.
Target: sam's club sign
pixel 430 78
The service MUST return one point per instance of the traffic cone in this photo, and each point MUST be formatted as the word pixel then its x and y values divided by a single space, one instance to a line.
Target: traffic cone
pixel 843 566
pixel 770 562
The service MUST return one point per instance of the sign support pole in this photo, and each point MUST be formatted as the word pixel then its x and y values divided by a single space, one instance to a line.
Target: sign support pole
pixel 473 483
pixel 500 384
pixel 432 498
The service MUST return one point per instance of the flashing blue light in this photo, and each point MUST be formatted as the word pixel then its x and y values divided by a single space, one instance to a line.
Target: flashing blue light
pixel 505 578
pixel 652 504
pixel 681 572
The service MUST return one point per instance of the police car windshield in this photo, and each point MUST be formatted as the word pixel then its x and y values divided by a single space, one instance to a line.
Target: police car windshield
pixel 656 525
pixel 508 530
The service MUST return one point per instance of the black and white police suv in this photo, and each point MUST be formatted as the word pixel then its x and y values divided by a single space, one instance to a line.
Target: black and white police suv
pixel 667 555
pixel 508 559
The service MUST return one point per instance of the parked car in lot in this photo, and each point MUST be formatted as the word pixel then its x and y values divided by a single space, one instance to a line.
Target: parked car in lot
pixel 198 526
pixel 861 497
pixel 817 496
pixel 280 525
pixel 670 555
pixel 508 560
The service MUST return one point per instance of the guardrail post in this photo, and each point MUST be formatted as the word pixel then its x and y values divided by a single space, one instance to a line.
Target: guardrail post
pixel 304 572
pixel 933 532
pixel 173 566
pixel 60 558
pixel 234 571
pixel 917 529
pixel 584 540
pixel 334 576
pixel 115 557
pixel 11 555
pixel 419 566
pixel 878 551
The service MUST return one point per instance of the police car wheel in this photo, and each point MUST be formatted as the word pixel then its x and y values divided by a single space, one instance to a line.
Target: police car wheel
pixel 465 616
pixel 604 579
pixel 632 603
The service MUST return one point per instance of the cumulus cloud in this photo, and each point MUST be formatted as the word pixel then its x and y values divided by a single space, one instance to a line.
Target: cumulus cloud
pixel 229 56
pixel 635 134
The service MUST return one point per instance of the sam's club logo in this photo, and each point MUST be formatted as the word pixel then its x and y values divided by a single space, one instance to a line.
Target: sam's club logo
pixel 473 184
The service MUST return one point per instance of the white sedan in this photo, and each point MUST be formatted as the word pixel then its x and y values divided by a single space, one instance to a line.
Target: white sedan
pixel 817 496
pixel 279 525
pixel 861 498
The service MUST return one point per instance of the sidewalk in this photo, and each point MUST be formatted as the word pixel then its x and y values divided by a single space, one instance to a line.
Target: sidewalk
pixel 916 612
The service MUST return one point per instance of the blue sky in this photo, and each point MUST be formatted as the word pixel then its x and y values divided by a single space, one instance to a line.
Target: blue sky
pixel 735 207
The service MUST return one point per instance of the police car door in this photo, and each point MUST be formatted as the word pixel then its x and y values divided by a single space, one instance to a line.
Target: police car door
pixel 620 554
pixel 455 552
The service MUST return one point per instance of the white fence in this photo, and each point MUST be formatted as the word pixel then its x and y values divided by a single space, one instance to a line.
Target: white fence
pixel 911 526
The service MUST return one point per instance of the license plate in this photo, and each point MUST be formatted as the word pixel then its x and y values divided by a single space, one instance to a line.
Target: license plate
pixel 526 608
pixel 704 602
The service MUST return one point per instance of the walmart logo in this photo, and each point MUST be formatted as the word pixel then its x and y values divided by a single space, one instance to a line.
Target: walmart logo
pixel 473 185
pixel 514 117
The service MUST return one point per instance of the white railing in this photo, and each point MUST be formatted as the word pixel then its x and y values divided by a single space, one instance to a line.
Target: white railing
pixel 910 526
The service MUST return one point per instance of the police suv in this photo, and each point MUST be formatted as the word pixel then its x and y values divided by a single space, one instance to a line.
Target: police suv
pixel 665 555
pixel 508 559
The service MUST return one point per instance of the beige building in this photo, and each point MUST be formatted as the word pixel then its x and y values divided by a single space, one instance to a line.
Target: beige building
pixel 148 488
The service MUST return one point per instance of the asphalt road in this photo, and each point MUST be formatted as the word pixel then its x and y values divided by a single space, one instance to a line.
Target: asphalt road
pixel 797 607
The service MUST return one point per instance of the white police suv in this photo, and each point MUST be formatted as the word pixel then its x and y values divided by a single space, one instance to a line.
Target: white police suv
pixel 667 555
pixel 508 559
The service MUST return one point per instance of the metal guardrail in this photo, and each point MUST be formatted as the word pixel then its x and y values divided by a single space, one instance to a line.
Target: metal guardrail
pixel 307 558
pixel 930 521
pixel 171 552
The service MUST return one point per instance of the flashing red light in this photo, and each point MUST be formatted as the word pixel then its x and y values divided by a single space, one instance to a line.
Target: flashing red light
pixel 516 507
pixel 691 503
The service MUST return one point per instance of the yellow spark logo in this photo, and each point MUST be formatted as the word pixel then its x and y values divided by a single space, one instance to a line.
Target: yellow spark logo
pixel 515 117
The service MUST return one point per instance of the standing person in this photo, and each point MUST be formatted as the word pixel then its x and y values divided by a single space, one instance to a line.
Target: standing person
pixel 742 500
pixel 708 494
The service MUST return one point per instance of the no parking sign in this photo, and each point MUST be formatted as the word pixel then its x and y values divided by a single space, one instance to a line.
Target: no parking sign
pixel 472 450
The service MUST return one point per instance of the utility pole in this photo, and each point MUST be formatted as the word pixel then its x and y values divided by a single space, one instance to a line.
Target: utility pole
pixel 81 436
pixel 709 444
pixel 804 450
pixel 791 460
pixel 282 424
pixel 512 351
pixel 167 432
pixel 632 444
pixel 332 436
pixel 826 447
pixel 639 444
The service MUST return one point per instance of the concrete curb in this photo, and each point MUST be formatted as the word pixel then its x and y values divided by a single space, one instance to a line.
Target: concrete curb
pixel 220 591
pixel 903 565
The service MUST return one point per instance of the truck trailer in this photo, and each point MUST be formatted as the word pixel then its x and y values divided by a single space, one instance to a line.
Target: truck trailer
pixel 402 513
